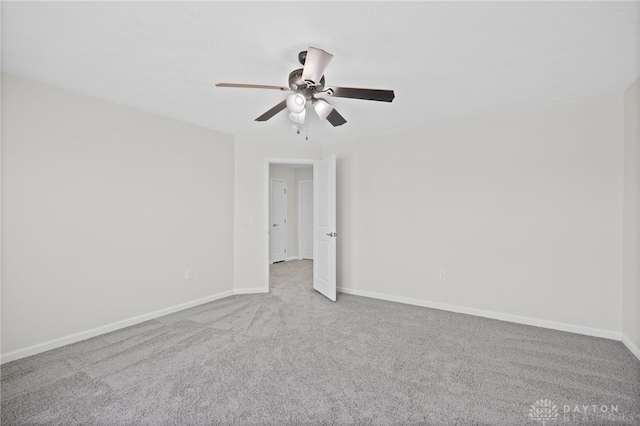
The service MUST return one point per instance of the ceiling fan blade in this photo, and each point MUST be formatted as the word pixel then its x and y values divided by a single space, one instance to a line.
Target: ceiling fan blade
pixel 357 93
pixel 273 111
pixel 252 86
pixel 315 64
pixel 335 118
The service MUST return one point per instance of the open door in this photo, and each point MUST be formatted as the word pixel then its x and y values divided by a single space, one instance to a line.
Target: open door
pixel 324 231
pixel 278 228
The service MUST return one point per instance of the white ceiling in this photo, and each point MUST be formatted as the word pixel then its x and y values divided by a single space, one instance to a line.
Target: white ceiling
pixel 444 60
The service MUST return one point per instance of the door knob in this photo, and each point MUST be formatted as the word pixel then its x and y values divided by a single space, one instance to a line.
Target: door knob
pixel 332 234
pixel 275 224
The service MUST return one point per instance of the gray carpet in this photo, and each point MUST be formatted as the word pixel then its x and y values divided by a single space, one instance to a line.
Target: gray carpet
pixel 292 357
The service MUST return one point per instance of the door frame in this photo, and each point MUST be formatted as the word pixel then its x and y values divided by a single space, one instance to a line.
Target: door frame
pixel 286 208
pixel 266 206
pixel 300 207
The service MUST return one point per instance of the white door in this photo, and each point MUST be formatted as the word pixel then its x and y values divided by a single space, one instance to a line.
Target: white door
pixel 305 219
pixel 324 238
pixel 278 224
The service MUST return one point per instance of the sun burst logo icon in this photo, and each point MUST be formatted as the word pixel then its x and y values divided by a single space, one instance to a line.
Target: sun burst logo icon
pixel 543 410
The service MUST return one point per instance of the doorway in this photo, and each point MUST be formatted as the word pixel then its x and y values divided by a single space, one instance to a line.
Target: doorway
pixel 285 212
pixel 291 171
pixel 322 173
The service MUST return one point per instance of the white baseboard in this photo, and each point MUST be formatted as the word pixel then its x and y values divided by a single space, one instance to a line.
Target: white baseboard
pixel 629 344
pixel 488 314
pixel 77 337
pixel 251 290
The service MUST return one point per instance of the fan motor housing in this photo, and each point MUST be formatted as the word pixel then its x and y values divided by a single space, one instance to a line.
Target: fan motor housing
pixel 296 83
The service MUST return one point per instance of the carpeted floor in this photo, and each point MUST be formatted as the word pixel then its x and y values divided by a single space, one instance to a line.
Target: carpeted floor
pixel 292 357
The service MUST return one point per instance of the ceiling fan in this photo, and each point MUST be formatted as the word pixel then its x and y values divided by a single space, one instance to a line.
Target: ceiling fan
pixel 306 83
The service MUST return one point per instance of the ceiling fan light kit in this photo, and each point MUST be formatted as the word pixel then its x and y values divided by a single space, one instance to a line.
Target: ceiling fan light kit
pixel 322 107
pixel 306 83
pixel 299 117
pixel 296 103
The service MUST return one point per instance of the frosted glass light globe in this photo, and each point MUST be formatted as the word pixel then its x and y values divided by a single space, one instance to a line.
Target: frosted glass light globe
pixel 296 103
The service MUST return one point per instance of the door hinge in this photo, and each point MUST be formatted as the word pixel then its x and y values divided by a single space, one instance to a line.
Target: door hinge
pixel 285 250
pixel 285 221
pixel 285 191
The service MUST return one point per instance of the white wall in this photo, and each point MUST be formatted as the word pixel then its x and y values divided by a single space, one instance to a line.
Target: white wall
pixel 522 209
pixel 104 207
pixel 631 215
pixel 250 239
pixel 304 174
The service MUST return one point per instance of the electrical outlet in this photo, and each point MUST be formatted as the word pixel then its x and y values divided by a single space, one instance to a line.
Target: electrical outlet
pixel 443 275
pixel 188 274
